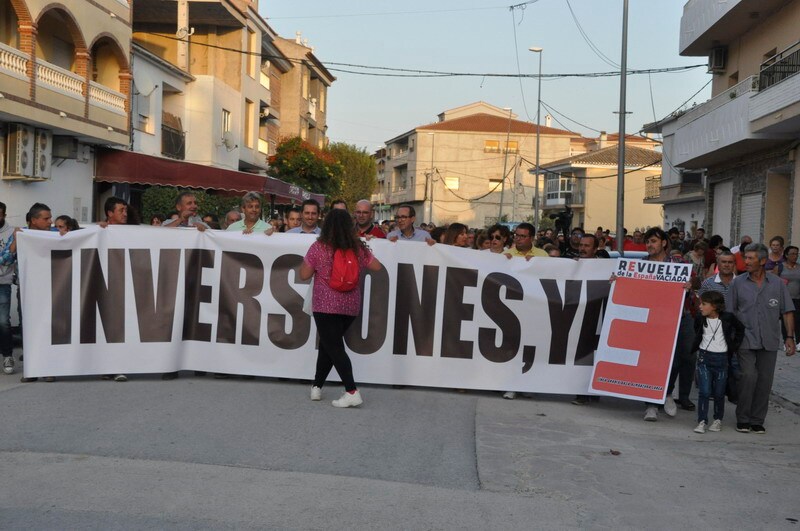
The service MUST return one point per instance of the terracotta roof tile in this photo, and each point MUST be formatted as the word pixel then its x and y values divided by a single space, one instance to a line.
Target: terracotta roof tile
pixel 487 123
pixel 634 157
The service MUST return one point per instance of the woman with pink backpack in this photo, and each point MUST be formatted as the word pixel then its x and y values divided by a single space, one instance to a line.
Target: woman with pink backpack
pixel 335 261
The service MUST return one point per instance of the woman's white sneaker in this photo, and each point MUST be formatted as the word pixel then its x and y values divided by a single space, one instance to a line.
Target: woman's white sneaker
pixel 316 393
pixel 348 400
pixel 716 425
pixel 701 427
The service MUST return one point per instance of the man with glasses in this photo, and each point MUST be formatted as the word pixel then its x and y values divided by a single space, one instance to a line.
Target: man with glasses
pixel 405 217
pixel 523 243
pixel 365 228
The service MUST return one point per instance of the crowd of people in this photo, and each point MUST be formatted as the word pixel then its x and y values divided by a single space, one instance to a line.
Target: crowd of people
pixel 739 309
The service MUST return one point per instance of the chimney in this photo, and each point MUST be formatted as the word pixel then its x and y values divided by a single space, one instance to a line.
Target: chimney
pixel 548 120
pixel 603 140
pixel 298 37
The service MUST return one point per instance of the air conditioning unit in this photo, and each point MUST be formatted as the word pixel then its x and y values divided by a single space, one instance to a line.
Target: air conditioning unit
pixel 42 153
pixel 718 59
pixel 19 150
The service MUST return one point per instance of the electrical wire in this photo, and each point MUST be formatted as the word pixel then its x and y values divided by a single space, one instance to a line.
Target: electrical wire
pixel 603 57
pixel 411 72
pixel 519 70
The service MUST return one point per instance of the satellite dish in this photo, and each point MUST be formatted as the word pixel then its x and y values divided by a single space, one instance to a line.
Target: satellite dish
pixel 227 140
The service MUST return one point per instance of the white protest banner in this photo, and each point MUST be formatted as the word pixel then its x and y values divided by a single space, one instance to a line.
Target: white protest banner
pixel 151 300
pixel 640 329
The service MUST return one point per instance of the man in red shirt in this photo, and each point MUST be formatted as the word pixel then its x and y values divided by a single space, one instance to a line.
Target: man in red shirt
pixel 365 227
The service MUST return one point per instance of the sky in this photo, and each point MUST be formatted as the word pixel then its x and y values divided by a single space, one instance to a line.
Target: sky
pixel 488 37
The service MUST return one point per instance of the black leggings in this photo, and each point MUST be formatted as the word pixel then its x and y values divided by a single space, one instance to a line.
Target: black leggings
pixel 331 328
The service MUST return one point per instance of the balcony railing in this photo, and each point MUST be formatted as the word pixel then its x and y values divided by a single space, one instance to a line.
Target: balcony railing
pixel 13 60
pixel 779 67
pixel 749 84
pixel 652 187
pixel 173 143
pixel 59 78
pixel 104 95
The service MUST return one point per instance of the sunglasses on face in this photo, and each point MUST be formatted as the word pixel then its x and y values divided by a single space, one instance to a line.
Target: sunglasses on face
pixel 497 237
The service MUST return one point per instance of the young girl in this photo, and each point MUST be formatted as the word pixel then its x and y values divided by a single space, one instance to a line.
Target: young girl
pixel 334 311
pixel 718 335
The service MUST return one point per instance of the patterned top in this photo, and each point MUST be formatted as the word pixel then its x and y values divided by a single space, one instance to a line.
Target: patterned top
pixel 325 298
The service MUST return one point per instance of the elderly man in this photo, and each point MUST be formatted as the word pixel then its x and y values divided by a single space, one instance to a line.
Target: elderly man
pixel 759 301
pixel 365 227
pixel 726 264
pixel 251 206
pixel 230 218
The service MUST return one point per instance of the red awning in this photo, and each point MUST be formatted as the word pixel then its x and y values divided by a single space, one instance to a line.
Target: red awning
pixel 117 166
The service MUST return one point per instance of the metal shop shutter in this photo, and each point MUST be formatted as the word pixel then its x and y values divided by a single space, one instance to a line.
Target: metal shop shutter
pixel 750 216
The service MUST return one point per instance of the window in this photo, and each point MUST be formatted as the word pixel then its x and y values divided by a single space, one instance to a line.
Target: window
pixel 452 183
pixel 249 116
pixel 251 56
pixel 512 147
pixel 491 146
pixel 305 75
pixel 226 121
pixel 558 189
pixel 494 184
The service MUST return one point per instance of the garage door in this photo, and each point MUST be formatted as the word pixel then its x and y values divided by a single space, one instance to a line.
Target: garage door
pixel 723 204
pixel 750 216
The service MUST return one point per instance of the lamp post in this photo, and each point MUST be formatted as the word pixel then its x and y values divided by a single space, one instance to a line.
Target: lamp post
pixel 505 164
pixel 538 50
pixel 433 145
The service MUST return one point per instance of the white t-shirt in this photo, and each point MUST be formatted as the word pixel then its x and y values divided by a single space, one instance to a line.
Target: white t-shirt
pixel 713 338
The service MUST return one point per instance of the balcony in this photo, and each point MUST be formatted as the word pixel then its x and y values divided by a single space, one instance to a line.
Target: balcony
pixel 59 79
pixel 560 192
pixel 104 96
pixel 312 109
pixel 712 131
pixel 709 23
pixel 264 79
pixel 774 108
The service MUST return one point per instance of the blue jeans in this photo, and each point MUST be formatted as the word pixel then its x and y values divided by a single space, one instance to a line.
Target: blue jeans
pixel 6 345
pixel 712 378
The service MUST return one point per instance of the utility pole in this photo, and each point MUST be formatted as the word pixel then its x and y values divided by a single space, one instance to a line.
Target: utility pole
pixel 183 32
pixel 433 145
pixel 514 190
pixel 538 50
pixel 621 147
pixel 505 165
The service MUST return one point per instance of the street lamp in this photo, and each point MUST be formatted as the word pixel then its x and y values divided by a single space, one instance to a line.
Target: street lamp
pixel 430 176
pixel 538 50
pixel 505 164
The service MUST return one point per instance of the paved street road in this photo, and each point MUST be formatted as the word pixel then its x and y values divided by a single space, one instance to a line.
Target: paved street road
pixel 200 453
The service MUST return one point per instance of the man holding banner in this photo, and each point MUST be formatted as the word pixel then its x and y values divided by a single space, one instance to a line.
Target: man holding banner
pixel 683 362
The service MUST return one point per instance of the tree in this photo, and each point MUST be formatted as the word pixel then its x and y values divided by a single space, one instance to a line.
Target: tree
pixel 359 176
pixel 298 162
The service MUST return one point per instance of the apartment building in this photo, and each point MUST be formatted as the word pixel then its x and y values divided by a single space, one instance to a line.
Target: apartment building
pixel 305 103
pixel 587 183
pixel 206 102
pixel 471 166
pixel 744 139
pixel 64 82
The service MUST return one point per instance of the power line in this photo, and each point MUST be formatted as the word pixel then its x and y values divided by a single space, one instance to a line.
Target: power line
pixel 412 72
pixel 519 70
pixel 549 108
pixel 603 57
